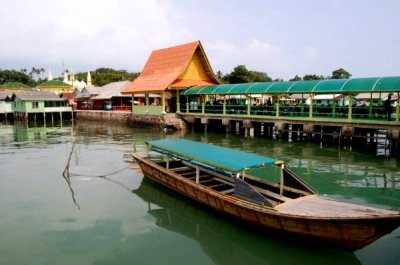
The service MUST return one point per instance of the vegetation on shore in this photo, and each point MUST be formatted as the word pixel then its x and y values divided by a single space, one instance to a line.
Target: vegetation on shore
pixel 100 76
pixel 103 76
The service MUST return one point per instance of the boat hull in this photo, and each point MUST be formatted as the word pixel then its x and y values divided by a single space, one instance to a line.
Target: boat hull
pixel 348 233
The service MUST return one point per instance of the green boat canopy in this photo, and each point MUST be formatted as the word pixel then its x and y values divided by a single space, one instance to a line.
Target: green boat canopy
pixel 326 86
pixel 210 156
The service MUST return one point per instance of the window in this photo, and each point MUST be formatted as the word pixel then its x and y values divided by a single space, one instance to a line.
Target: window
pixel 35 105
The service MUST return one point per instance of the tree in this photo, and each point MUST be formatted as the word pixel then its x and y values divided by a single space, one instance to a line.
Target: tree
pixel 340 74
pixel 256 76
pixel 241 74
pixel 219 75
pixel 15 76
pixel 296 78
pixel 313 77
pixel 36 73
pixel 103 76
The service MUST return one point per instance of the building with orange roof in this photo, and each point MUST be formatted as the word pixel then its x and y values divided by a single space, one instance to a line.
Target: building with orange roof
pixel 167 72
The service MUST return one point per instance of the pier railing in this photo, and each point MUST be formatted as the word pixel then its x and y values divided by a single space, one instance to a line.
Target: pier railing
pixel 371 112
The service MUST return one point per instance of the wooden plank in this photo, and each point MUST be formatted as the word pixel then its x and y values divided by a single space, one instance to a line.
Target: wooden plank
pixel 179 169
pixel 201 176
pixel 262 191
pixel 224 181
pixel 276 185
pixel 187 173
pixel 216 185
pixel 228 191
pixel 316 206
pixel 203 182
pixel 272 194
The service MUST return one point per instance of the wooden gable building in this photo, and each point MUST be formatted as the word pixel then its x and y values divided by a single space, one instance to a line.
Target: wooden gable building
pixel 167 72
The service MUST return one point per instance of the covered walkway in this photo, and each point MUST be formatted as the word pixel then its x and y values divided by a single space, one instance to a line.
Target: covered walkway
pixel 288 99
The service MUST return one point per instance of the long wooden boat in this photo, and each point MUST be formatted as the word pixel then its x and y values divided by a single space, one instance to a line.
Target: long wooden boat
pixel 220 178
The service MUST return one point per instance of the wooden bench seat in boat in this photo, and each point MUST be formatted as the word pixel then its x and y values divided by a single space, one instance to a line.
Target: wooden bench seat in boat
pixel 179 169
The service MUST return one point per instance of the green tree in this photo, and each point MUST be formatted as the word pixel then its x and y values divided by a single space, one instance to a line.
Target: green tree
pixel 15 76
pixel 219 74
pixel 296 78
pixel 241 74
pixel 36 73
pixel 313 77
pixel 103 76
pixel 256 76
pixel 340 74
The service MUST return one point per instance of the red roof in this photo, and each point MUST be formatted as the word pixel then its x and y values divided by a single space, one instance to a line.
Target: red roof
pixel 164 67
pixel 67 95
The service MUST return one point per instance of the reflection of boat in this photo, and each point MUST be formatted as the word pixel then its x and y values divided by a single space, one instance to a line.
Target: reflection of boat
pixel 218 177
pixel 222 242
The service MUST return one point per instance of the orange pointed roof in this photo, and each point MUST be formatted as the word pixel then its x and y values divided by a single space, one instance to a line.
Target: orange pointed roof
pixel 165 66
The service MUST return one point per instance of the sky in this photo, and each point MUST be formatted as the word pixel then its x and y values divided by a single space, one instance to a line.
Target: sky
pixel 282 38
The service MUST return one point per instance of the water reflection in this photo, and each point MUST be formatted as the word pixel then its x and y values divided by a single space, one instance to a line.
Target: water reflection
pixel 67 177
pixel 224 241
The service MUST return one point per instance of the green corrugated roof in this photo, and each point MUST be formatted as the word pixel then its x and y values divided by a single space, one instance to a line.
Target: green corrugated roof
pixel 16 85
pixel 54 83
pixel 327 86
pixel 388 84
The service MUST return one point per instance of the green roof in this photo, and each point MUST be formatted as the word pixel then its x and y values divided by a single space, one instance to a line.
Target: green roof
pixel 209 156
pixel 16 85
pixel 54 83
pixel 326 86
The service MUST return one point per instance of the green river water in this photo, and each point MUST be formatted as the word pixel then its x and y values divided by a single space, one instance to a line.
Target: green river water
pixel 102 211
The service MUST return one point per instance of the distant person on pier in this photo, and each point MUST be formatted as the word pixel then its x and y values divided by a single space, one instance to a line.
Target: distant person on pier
pixel 388 106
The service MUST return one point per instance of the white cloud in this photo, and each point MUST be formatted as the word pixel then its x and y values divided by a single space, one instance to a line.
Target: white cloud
pixel 89 33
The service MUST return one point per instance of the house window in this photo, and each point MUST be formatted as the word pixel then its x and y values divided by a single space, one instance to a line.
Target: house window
pixel 35 105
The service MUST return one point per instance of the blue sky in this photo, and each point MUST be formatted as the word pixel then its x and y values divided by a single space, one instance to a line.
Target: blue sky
pixel 281 38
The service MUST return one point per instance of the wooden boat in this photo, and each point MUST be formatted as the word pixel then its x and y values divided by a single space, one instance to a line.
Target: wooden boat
pixel 220 178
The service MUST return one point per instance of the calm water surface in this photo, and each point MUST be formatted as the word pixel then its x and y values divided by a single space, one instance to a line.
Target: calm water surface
pixel 102 211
